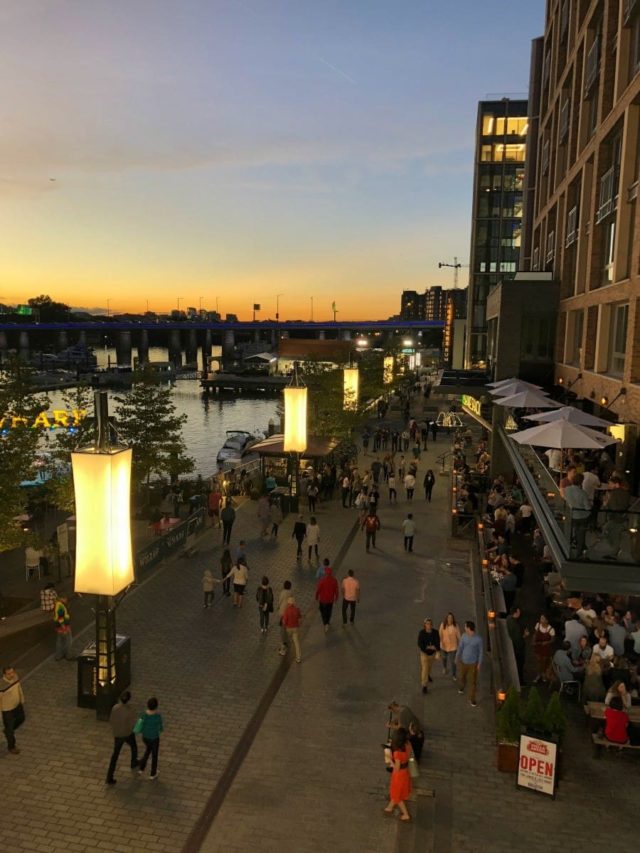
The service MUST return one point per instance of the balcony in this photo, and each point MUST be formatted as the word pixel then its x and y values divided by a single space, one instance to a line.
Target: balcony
pixel 608 194
pixel 563 124
pixel 572 227
pixel 592 67
pixel 628 10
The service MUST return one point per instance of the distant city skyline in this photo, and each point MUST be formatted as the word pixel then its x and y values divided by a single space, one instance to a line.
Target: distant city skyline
pixel 242 149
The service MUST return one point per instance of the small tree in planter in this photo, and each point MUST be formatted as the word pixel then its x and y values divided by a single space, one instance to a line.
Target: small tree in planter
pixel 533 717
pixel 508 727
pixel 555 721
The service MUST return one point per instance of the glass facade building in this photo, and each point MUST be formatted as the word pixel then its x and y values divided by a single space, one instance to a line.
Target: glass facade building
pixel 498 190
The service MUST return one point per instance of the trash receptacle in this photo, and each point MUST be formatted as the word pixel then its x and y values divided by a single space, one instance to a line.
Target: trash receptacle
pixel 87 671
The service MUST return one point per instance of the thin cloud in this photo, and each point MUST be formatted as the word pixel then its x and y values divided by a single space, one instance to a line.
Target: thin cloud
pixel 339 71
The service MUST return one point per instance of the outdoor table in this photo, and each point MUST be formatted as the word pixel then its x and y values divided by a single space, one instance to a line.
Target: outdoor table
pixel 595 710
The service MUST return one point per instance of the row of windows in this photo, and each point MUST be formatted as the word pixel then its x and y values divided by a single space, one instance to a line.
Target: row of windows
pixel 613 325
pixel 510 153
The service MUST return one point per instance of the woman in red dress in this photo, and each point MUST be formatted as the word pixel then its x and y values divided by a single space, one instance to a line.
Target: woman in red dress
pixel 400 784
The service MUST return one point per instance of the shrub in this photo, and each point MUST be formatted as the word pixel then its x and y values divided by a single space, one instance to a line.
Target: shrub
pixel 508 722
pixel 534 712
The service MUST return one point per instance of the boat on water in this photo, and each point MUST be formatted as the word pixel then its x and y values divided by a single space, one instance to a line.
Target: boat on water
pixel 237 445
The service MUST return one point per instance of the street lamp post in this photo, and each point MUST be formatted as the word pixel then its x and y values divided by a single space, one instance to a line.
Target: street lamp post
pixel 295 423
pixel 104 559
pixel 278 295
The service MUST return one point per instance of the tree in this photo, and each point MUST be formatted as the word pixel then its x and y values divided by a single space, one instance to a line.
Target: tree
pixel 77 434
pixel 327 415
pixel 508 721
pixel 19 408
pixel 49 311
pixel 147 422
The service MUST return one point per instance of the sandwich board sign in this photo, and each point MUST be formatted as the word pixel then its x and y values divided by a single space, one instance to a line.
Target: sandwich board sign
pixel 537 765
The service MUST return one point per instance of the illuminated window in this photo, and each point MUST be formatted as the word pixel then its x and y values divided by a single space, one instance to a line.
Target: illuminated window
pixel 488 125
pixel 618 337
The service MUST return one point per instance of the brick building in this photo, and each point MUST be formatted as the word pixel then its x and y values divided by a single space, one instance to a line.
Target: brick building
pixel 583 219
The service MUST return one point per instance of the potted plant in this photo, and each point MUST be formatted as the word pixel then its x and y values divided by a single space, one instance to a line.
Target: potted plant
pixel 533 716
pixel 508 727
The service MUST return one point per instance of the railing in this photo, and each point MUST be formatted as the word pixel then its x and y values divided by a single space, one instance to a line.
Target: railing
pixel 572 227
pixel 608 194
pixel 592 66
pixel 603 535
pixel 563 124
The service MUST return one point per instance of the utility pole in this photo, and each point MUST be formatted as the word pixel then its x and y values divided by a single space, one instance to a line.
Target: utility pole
pixel 333 308
pixel 456 267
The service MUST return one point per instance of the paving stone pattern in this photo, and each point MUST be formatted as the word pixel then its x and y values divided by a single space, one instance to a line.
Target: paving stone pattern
pixel 313 779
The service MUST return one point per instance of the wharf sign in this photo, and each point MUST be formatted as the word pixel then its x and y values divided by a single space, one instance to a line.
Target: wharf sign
pixel 470 403
pixel 537 765
pixel 58 418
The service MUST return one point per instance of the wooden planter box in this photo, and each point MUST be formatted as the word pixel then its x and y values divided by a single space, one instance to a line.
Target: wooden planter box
pixel 507 757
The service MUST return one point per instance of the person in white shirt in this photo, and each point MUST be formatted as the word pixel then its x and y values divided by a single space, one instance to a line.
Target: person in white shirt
pixel 587 615
pixel 573 630
pixel 590 482
pixel 603 650
pixel 555 459
pixel 408 530
pixel 409 484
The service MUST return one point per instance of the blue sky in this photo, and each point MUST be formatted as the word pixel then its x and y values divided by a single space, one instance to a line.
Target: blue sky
pixel 242 148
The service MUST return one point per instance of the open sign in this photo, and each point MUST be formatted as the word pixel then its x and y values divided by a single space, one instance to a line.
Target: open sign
pixel 537 765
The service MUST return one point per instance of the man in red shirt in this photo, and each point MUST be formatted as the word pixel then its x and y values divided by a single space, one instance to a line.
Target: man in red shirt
pixel 291 623
pixel 326 595
pixel 214 506
pixel 370 525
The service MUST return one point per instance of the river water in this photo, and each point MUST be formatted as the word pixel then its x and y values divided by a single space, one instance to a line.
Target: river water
pixel 208 416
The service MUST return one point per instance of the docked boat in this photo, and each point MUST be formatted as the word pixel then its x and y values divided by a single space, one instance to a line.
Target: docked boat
pixel 237 444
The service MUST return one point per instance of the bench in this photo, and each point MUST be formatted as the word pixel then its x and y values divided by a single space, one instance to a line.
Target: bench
pixel 600 741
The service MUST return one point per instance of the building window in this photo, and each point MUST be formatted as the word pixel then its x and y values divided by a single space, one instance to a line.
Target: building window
pixel 618 337
pixel 634 49
pixel 593 113
pixel 563 124
pixel 609 245
pixel 488 125
pixel 545 157
pixel 551 245
pixel 592 67
pixel 572 226
pixel 536 259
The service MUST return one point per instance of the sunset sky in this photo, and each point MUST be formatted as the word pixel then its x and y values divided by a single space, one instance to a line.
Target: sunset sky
pixel 243 148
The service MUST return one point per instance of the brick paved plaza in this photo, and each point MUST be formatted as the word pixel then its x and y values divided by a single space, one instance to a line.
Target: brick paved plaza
pixel 313 778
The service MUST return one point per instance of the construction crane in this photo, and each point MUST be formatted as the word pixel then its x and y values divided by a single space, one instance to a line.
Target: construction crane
pixel 456 266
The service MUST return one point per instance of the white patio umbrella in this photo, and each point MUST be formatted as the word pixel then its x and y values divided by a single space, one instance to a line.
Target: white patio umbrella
pixel 511 381
pixel 526 400
pixel 568 413
pixel 562 435
pixel 514 388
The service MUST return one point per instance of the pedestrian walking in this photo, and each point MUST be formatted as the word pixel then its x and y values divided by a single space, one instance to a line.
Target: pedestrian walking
pixel 449 633
pixel 326 595
pixel 150 726
pixel 350 596
pixel 207 588
pixel 264 516
pixel 62 621
pixel 434 430
pixel 417 450
pixel 346 491
pixel 370 525
pixel 122 718
pixel 285 594
pixel 469 660
pixel 225 567
pixel 408 531
pixel 400 782
pixel 291 619
pixel 12 705
pixel 312 496
pixel 214 500
pixel 227 516
pixel 241 553
pixel 429 480
pixel 409 484
pixel 276 518
pixel 543 642
pixel 391 482
pixel 264 597
pixel 299 533
pixel 313 538
pixel 429 645
pixel 402 717
pixel 518 634
pixel 239 575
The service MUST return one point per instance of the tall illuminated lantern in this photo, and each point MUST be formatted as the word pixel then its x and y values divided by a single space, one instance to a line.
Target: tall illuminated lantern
pixel 351 388
pixel 104 559
pixel 295 421
pixel 387 370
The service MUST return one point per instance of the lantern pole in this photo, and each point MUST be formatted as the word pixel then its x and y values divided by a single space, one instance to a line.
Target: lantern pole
pixel 105 611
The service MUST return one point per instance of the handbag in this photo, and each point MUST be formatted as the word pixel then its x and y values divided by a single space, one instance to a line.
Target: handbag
pixel 138 726
pixel 414 770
